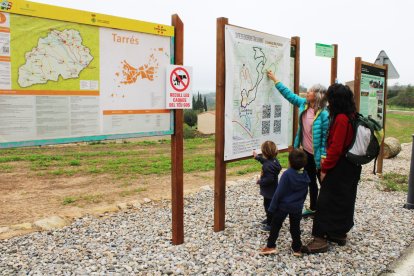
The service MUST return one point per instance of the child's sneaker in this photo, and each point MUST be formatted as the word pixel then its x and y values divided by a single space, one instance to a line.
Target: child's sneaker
pixel 266 228
pixel 264 221
pixel 308 212
pixel 297 253
pixel 267 251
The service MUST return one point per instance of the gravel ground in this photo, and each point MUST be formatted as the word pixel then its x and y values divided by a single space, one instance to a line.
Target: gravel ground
pixel 138 241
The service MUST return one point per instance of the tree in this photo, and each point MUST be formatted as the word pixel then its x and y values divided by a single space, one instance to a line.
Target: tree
pixel 190 117
pixel 205 103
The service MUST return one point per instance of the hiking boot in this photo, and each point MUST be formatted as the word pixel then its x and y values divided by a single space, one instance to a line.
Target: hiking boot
pixel 267 251
pixel 318 245
pixel 263 221
pixel 308 213
pixel 341 241
pixel 266 228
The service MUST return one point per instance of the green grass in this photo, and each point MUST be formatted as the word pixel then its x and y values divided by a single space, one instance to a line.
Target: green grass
pixel 120 161
pixel 397 107
pixel 6 168
pixel 74 163
pixel 400 126
pixel 69 200
pixel 132 192
pixel 251 165
pixel 395 182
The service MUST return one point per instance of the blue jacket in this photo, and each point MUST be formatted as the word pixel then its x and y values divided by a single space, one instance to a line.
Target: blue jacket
pixel 269 177
pixel 319 127
pixel 291 192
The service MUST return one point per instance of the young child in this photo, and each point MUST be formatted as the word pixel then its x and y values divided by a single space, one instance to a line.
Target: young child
pixel 269 177
pixel 288 200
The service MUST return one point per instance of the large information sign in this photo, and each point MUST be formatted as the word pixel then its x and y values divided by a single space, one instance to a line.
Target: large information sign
pixel 371 103
pixel 64 81
pixel 254 110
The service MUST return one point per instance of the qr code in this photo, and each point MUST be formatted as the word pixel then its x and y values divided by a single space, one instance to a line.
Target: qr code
pixel 277 124
pixel 266 111
pixel 265 127
pixel 278 111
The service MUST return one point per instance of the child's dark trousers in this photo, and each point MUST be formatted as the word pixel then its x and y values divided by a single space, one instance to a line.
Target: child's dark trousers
pixel 277 221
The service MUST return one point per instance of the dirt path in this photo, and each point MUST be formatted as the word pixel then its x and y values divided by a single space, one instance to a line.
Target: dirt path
pixel 25 200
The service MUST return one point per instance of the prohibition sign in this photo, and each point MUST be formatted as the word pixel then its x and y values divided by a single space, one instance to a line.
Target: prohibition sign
pixel 182 79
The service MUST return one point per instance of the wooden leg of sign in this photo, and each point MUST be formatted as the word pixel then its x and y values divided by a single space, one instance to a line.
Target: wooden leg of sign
pixel 177 198
pixel 177 144
pixel 380 159
pixel 220 169
pixel 334 65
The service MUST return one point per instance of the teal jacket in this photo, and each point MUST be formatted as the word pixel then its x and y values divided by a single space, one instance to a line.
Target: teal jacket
pixel 319 127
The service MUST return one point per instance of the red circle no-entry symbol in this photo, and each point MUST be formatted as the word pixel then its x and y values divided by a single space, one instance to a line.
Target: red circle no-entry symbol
pixel 179 79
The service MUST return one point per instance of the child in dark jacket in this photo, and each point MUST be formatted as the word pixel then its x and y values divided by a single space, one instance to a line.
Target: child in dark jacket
pixel 289 198
pixel 269 176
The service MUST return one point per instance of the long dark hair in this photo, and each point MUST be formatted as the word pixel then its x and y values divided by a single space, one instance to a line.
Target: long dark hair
pixel 340 100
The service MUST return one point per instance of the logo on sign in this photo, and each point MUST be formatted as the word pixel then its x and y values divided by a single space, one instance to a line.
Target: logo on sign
pixel 179 79
pixel 6 5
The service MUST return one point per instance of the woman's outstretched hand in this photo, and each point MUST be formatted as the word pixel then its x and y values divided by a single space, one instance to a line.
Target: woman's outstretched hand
pixel 272 76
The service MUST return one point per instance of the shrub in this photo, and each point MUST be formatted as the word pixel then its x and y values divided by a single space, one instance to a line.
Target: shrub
pixel 190 117
pixel 189 132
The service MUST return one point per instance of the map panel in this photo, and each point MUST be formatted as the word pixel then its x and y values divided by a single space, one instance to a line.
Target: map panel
pixel 55 88
pixel 53 55
pixel 133 70
pixel 255 111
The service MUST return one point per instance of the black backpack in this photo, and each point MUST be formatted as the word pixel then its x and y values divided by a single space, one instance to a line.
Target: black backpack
pixel 366 143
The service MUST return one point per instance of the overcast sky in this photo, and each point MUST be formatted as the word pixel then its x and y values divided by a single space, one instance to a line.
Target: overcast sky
pixel 360 28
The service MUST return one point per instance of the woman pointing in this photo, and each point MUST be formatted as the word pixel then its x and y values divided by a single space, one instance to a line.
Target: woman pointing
pixel 312 131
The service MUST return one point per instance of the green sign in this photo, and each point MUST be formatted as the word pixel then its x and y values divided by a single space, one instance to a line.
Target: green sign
pixel 323 50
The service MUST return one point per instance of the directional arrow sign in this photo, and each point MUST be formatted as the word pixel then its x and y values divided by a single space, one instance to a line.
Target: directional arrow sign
pixel 384 59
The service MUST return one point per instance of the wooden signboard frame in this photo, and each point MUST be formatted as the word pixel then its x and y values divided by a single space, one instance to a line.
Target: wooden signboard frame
pixel 64 14
pixel 357 95
pixel 220 164
pixel 177 141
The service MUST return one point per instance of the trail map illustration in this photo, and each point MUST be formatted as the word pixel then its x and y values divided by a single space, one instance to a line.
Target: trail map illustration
pixel 255 112
pixel 53 55
pixel 61 53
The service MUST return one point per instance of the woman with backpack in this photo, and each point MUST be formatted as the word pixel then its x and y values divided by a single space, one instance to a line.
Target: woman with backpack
pixel 336 201
pixel 312 131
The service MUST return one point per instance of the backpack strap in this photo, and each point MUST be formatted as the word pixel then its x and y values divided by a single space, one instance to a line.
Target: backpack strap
pixel 352 122
pixel 375 165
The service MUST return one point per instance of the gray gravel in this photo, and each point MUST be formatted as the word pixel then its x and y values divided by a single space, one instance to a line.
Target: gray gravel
pixel 138 241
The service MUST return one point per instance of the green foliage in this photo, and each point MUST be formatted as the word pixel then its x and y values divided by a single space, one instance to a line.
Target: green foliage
pixel 189 132
pixel 190 117
pixel 404 97
pixel 395 182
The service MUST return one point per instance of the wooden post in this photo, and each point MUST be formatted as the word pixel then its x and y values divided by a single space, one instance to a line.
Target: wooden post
pixel 357 82
pixel 220 167
pixel 296 42
pixel 384 110
pixel 334 64
pixel 177 140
